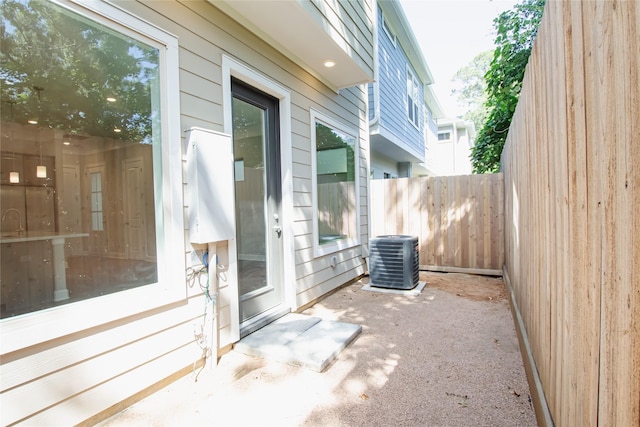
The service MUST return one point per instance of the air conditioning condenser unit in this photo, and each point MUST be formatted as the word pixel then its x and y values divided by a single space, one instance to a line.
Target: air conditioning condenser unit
pixel 394 262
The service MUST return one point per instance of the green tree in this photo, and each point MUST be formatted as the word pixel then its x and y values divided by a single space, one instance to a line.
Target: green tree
pixel 516 31
pixel 471 88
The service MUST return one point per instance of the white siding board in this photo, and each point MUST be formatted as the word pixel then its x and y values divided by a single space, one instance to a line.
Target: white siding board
pixel 301 170
pixel 300 132
pixel 299 215
pixel 188 122
pixel 303 241
pixel 21 370
pixel 300 113
pixel 200 108
pixel 202 83
pixel 300 156
pixel 56 387
pixel 302 227
pixel 81 407
pixel 302 200
pixel 316 266
pixel 319 270
pixel 312 293
pixel 301 142
pixel 305 254
pixel 302 185
pixel 120 361
pixel 205 69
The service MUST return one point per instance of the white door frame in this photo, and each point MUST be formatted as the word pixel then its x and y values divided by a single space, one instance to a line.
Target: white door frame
pixel 231 67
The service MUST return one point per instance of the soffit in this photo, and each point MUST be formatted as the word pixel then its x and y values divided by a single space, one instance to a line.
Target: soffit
pixel 293 31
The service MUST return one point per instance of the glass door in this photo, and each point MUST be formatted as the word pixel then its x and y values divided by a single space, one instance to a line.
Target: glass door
pixel 256 150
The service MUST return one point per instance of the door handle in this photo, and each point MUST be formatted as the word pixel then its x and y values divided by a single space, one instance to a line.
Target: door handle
pixel 277 229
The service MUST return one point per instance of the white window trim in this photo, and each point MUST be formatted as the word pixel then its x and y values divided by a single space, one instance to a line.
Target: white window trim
pixel 414 83
pixel 40 326
pixel 443 141
pixel 320 250
pixel 387 30
pixel 232 67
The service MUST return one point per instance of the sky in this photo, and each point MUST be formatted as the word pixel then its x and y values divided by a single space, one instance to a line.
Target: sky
pixel 451 33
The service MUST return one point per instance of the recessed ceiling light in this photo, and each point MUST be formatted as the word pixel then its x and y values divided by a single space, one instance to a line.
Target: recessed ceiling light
pixel 111 99
pixel 329 63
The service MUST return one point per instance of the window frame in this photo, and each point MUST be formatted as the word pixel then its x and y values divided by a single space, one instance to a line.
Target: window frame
pixel 96 195
pixel 446 132
pixel 388 31
pixel 26 330
pixel 414 106
pixel 329 248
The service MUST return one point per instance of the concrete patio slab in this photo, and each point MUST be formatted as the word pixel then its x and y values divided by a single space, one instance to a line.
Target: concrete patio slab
pixel 409 292
pixel 300 340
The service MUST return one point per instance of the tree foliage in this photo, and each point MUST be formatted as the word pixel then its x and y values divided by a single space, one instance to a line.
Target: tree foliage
pixel 471 88
pixel 516 30
pixel 61 67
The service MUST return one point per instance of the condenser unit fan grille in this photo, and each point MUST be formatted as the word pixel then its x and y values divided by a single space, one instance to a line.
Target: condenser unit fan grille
pixel 394 262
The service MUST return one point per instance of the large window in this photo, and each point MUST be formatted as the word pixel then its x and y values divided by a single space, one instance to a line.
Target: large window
pixel 81 157
pixel 335 161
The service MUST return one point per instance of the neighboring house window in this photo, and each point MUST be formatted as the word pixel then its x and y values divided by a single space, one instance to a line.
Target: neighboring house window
pixel 388 32
pixel 335 176
pixel 82 89
pixel 444 136
pixel 413 107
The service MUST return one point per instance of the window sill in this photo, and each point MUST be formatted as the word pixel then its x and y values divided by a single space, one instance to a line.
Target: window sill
pixel 333 245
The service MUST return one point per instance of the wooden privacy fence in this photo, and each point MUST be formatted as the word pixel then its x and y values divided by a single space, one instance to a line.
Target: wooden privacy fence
pixel 571 166
pixel 459 220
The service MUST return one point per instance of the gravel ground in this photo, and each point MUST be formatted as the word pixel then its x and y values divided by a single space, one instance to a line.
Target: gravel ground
pixel 447 357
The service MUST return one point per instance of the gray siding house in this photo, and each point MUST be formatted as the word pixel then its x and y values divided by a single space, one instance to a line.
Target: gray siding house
pixel 402 107
pixel 145 140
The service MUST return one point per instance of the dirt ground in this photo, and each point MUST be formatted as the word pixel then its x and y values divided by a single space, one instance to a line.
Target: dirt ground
pixel 473 287
pixel 446 357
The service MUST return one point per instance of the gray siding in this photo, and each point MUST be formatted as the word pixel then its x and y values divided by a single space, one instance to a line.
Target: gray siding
pixel 81 377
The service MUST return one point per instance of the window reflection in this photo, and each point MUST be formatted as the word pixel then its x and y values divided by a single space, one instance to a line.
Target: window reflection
pixel 336 185
pixel 80 122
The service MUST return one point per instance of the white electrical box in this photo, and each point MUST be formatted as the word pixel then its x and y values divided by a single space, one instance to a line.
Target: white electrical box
pixel 210 186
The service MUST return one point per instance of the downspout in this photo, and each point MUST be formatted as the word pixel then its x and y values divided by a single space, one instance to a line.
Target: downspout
pixel 373 122
pixel 376 65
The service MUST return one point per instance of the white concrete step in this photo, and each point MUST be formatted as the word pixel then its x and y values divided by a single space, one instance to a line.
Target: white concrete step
pixel 300 340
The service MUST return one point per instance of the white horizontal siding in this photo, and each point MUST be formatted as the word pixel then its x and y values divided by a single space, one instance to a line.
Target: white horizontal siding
pixel 50 377
pixel 81 407
pixel 89 371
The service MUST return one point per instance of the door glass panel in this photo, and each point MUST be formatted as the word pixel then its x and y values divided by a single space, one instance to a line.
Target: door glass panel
pixel 249 155
pixel 258 198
